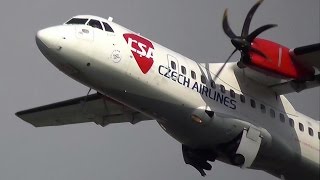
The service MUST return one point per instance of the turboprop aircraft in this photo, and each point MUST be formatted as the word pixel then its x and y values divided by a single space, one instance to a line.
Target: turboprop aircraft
pixel 232 112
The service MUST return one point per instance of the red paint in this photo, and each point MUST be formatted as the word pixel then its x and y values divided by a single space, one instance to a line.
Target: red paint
pixel 285 67
pixel 142 50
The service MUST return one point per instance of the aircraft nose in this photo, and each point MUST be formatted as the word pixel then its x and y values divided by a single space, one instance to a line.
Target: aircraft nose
pixel 48 37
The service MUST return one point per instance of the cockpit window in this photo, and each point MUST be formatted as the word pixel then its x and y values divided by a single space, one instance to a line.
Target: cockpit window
pixel 107 27
pixel 95 24
pixel 77 21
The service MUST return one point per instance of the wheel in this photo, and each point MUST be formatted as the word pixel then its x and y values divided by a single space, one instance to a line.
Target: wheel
pixel 237 159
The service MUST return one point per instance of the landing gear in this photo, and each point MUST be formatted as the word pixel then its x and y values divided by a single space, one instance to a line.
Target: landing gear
pixel 198 158
pixel 243 150
pixel 237 159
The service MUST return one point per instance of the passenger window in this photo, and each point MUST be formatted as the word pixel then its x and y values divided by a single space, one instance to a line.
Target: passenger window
pixel 272 113
pixel 282 119
pixel 95 24
pixel 193 75
pixel 263 108
pixel 301 127
pixel 107 27
pixel 310 131
pixel 222 88
pixel 318 135
pixel 232 93
pixel 242 98
pixel 291 122
pixel 183 70
pixel 173 65
pixel 253 103
pixel 213 84
pixel 203 79
pixel 77 21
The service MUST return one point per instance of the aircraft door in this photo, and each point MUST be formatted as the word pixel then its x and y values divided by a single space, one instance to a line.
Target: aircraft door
pixel 173 63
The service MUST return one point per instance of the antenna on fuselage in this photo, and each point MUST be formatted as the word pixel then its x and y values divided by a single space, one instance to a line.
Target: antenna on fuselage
pixel 110 18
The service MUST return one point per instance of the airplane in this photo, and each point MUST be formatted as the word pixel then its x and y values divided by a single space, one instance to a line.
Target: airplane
pixel 234 112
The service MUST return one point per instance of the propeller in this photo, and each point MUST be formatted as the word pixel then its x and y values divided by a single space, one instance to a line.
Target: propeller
pixel 243 42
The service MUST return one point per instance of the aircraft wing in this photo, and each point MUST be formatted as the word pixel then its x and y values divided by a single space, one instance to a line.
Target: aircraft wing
pixel 92 108
pixel 308 55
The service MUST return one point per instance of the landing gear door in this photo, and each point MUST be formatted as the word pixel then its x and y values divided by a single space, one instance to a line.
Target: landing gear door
pixel 84 33
pixel 173 63
pixel 249 146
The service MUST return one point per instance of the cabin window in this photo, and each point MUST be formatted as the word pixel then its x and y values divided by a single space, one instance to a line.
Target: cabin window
pixel 77 21
pixel 222 88
pixel 232 93
pixel 203 79
pixel 193 75
pixel 263 108
pixel 253 103
pixel 95 24
pixel 242 98
pixel 310 131
pixel 173 65
pixel 213 84
pixel 282 119
pixel 107 27
pixel 291 122
pixel 183 70
pixel 301 127
pixel 318 135
pixel 272 113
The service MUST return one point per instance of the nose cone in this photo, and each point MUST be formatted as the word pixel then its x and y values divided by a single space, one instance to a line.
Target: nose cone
pixel 48 38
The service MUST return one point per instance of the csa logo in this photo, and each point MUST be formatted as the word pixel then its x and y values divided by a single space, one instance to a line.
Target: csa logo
pixel 142 50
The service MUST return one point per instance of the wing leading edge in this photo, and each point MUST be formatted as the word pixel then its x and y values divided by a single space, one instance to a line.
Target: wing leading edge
pixel 93 108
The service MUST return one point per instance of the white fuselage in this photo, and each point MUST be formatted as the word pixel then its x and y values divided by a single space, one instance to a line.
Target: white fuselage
pixel 123 66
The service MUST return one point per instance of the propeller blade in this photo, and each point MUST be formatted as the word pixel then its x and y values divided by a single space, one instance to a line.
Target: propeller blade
pixel 226 27
pixel 258 31
pixel 246 24
pixel 222 67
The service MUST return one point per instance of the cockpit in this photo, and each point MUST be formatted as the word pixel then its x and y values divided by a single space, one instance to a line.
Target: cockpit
pixel 99 24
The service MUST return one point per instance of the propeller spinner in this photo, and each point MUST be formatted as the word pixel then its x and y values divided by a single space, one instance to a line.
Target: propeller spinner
pixel 243 42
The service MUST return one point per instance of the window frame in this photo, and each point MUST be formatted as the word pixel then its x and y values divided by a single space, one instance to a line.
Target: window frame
pixel 291 122
pixel 310 131
pixel 77 19
pixel 263 108
pixel 193 75
pixel 272 113
pixel 301 127
pixel 242 98
pixel 213 84
pixel 253 103
pixel 88 23
pixel 173 65
pixel 183 70
pixel 282 118
pixel 222 89
pixel 232 93
pixel 108 29
pixel 203 79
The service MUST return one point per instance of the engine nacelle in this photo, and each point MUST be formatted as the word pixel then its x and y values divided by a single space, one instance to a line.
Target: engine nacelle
pixel 278 62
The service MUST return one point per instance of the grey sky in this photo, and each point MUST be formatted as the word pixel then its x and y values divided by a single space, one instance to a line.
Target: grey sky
pixel 126 152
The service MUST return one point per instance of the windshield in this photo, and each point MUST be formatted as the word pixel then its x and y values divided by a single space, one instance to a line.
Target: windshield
pixel 77 21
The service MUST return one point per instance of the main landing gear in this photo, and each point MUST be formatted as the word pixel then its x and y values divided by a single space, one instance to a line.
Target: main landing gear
pixel 198 158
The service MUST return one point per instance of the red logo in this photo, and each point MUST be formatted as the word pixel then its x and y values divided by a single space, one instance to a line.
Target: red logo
pixel 142 50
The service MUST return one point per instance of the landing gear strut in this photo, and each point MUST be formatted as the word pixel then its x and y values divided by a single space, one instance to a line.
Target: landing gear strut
pixel 198 158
